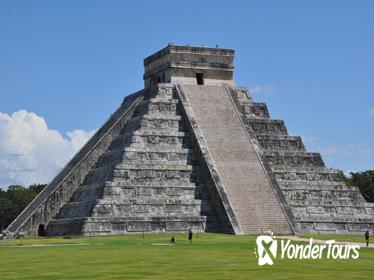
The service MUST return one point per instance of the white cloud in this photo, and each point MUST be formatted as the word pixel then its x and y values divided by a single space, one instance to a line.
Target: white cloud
pixel 30 152
pixel 267 90
pixel 371 112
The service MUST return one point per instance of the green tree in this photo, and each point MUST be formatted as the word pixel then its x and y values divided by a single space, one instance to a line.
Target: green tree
pixel 7 212
pixel 365 182
pixel 14 200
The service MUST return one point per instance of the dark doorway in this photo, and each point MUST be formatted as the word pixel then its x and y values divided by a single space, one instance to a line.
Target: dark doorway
pixel 200 78
pixel 41 230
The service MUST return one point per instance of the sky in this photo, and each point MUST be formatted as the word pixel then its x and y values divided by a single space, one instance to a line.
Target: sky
pixel 65 66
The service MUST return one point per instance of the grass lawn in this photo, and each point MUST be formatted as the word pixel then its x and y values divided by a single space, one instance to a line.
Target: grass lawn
pixel 350 238
pixel 211 256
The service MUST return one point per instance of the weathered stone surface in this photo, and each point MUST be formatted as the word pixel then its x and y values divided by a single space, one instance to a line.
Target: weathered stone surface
pixel 317 197
pixel 244 180
pixel 192 150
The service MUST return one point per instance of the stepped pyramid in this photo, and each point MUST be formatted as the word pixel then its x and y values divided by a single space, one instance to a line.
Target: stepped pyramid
pixel 192 150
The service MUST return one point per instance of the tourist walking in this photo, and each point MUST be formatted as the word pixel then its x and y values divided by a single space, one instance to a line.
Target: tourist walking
pixel 367 236
pixel 190 234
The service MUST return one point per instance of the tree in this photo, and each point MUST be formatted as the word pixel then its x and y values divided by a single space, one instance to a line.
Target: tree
pixel 7 212
pixel 365 182
pixel 14 200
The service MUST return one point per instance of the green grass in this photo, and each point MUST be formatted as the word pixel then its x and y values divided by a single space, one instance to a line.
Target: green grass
pixel 350 238
pixel 211 256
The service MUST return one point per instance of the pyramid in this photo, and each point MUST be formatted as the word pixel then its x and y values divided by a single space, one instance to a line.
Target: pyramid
pixel 193 150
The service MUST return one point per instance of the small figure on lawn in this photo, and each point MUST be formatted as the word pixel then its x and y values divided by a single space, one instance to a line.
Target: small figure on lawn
pixel 367 236
pixel 172 240
pixel 190 234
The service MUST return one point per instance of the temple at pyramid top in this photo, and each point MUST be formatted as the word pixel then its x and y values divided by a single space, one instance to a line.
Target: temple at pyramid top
pixel 190 65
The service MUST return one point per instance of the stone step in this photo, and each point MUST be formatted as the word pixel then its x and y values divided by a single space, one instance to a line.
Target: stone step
pixel 121 141
pixel 294 159
pixel 76 209
pixel 135 224
pixel 153 157
pixel 267 126
pixel 356 228
pixel 146 200
pixel 159 159
pixel 147 224
pixel 66 226
pixel 150 155
pixel 153 184
pixel 166 142
pixel 322 174
pixel 93 192
pixel 326 202
pixel 161 117
pixel 158 150
pixel 289 185
pixel 256 110
pixel 158 137
pixel 89 192
pixel 149 210
pixel 156 192
pixel 303 169
pixel 139 218
pixel 286 153
pixel 334 218
pixel 178 140
pixel 161 122
pixel 110 157
pixel 143 179
pixel 160 133
pixel 146 175
pixel 99 174
pixel 279 142
pixel 157 100
pixel 136 204
pixel 159 106
pixel 170 217
pixel 165 91
pixel 306 195
pixel 153 166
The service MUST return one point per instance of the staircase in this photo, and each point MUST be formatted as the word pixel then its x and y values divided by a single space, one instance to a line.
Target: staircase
pixel 244 180
pixel 319 200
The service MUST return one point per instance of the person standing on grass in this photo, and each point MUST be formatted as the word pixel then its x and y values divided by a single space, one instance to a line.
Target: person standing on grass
pixel 190 234
pixel 172 240
pixel 367 236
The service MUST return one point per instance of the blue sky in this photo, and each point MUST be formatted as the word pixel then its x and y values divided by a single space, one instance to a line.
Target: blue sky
pixel 66 65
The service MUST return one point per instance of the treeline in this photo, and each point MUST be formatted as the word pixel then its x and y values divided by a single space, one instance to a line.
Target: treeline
pixel 364 181
pixel 14 200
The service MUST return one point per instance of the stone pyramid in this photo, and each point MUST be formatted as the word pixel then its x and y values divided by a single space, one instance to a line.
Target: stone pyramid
pixel 192 150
